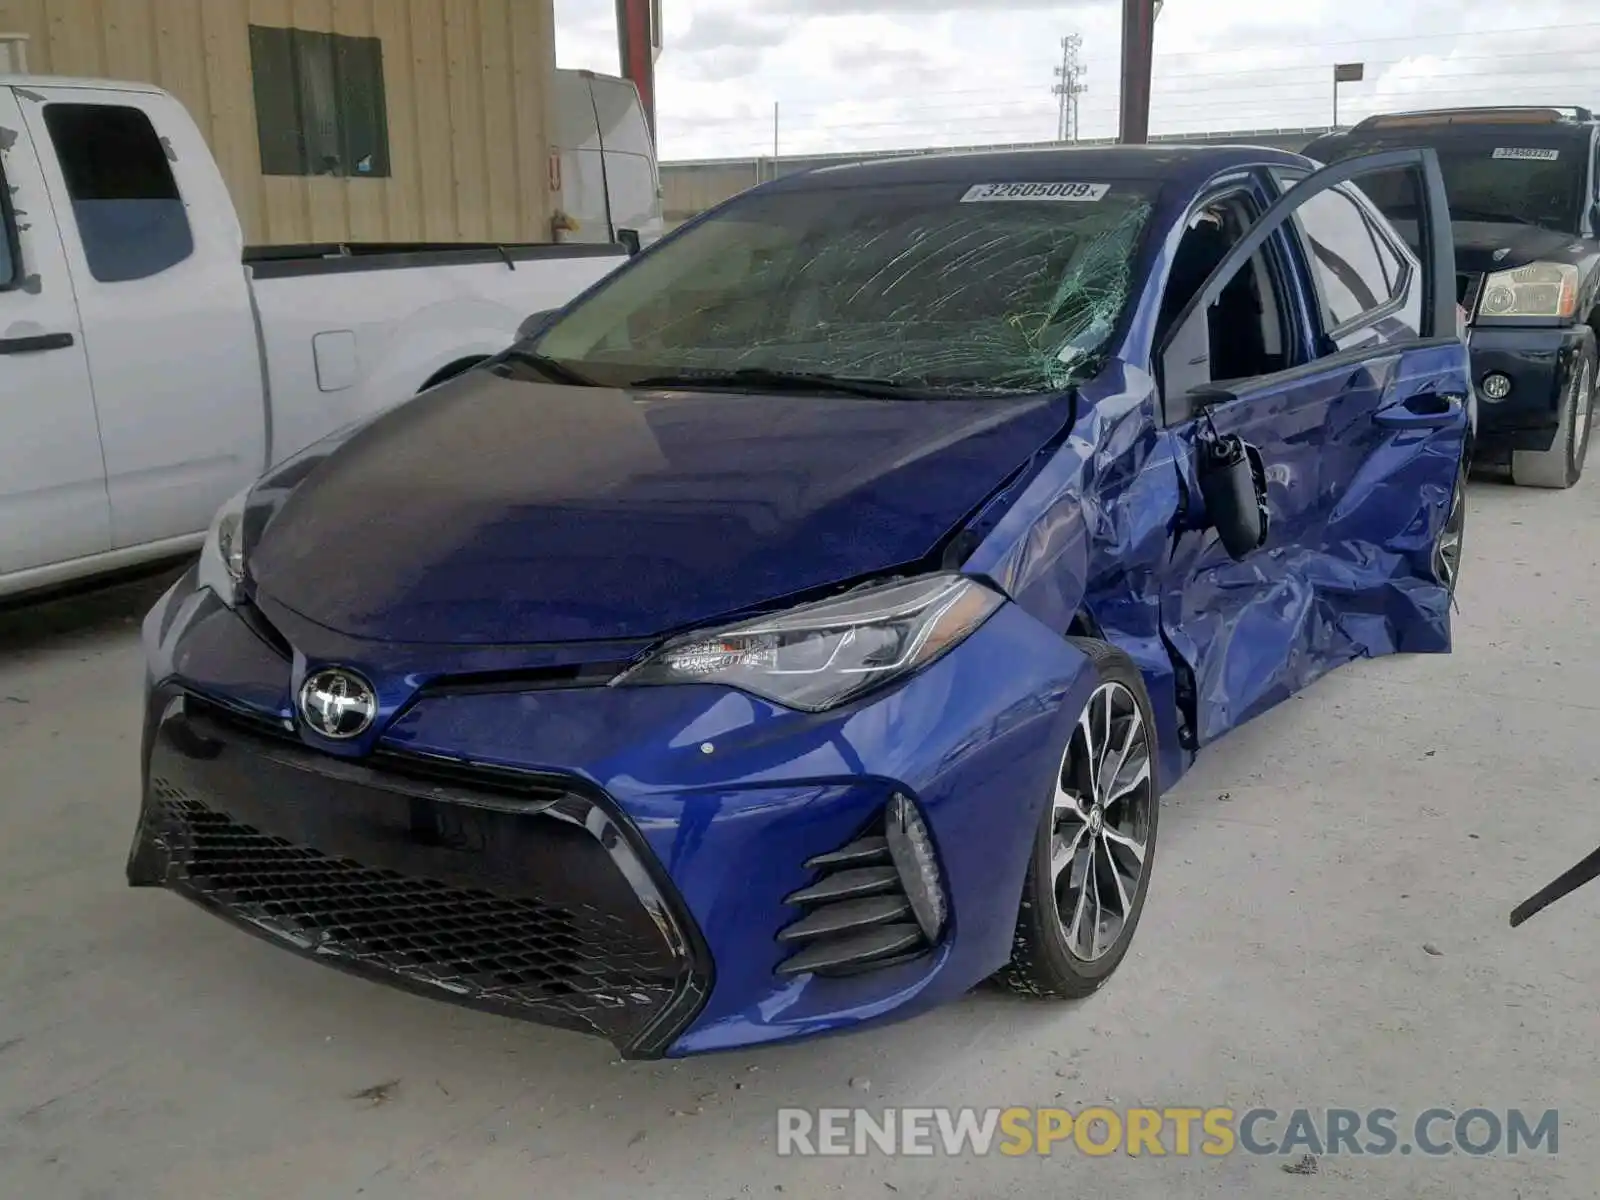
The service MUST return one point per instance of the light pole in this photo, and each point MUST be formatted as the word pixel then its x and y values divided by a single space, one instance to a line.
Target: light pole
pixel 1345 73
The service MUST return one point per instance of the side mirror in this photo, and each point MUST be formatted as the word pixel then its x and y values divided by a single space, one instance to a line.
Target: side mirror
pixel 630 239
pixel 1233 482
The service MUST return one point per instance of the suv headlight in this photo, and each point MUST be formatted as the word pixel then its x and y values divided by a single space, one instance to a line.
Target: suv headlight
pixel 819 655
pixel 221 565
pixel 1540 289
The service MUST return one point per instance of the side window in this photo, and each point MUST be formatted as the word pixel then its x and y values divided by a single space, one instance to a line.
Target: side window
pixel 1244 333
pixel 1345 259
pixel 130 217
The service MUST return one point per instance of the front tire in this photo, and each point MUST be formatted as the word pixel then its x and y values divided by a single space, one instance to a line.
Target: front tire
pixel 1095 845
pixel 1561 466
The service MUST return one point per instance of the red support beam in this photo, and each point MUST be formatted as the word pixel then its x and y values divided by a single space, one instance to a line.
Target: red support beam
pixel 634 48
pixel 1138 49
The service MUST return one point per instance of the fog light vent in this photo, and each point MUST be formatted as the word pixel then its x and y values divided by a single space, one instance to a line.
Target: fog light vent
pixel 912 851
pixel 876 901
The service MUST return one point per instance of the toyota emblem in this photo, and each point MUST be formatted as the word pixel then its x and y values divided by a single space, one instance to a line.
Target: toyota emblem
pixel 337 703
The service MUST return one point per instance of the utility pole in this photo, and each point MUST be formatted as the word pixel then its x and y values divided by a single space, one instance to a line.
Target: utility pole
pixel 1069 87
pixel 1138 42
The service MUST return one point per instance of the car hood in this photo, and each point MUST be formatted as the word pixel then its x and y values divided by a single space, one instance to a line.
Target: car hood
pixel 1500 246
pixel 494 510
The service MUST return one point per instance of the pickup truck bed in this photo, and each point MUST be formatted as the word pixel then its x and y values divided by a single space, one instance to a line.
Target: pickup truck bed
pixel 348 329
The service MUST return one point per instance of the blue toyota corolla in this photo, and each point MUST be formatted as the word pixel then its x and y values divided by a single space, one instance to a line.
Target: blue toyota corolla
pixel 801 626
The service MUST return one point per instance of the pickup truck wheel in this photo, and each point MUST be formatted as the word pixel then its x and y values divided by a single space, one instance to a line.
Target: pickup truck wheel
pixel 1095 844
pixel 1561 466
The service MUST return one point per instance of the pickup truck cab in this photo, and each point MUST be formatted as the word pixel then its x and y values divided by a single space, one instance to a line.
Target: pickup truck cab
pixel 1524 192
pixel 151 364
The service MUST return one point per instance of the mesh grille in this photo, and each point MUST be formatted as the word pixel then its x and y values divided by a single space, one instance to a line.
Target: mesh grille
pixel 566 965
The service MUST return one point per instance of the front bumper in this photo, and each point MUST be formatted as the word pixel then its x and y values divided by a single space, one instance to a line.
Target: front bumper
pixel 1538 361
pixel 614 860
pixel 532 899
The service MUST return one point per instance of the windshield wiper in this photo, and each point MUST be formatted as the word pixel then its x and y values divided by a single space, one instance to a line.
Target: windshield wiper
pixel 552 367
pixel 772 379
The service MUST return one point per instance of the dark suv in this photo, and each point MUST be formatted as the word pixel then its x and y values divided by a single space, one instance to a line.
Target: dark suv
pixel 1524 192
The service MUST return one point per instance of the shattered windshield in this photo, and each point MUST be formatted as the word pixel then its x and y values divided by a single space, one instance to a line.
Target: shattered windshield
pixel 946 287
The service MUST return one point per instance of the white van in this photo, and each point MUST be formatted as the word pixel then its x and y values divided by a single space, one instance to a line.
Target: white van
pixel 609 179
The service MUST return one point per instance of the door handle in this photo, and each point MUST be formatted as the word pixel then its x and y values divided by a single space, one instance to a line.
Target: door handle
pixel 35 343
pixel 1425 410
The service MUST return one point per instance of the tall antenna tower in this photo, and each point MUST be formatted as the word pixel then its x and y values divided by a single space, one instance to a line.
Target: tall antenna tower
pixel 1069 86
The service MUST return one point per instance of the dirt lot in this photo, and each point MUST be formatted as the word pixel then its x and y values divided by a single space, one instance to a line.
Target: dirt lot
pixel 1327 927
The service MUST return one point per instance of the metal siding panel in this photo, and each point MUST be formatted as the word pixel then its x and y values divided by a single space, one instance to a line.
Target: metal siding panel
pixel 533 90
pixel 465 87
pixel 129 40
pixel 464 84
pixel 499 128
pixel 180 57
pixel 29 17
pixel 433 120
pixel 77 45
pixel 230 123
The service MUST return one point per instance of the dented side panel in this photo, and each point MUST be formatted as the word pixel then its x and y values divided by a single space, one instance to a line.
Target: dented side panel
pixel 1112 534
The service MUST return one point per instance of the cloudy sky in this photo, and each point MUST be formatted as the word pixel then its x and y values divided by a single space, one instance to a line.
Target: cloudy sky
pixel 869 74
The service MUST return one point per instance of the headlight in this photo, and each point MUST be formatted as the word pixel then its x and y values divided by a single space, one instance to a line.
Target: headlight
pixel 820 655
pixel 222 559
pixel 1539 289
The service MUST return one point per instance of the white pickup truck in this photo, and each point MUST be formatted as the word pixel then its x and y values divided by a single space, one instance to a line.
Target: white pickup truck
pixel 151 364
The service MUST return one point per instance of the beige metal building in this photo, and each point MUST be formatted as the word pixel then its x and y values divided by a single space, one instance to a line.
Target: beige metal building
pixel 361 120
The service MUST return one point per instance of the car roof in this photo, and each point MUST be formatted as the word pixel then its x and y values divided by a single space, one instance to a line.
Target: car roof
pixel 1163 163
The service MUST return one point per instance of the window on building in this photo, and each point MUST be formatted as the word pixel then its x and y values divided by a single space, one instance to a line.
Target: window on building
pixel 125 202
pixel 320 106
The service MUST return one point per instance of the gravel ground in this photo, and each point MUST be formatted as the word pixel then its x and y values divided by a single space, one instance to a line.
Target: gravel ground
pixel 1326 927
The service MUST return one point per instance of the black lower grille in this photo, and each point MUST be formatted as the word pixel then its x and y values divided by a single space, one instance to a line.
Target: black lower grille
pixel 856 915
pixel 515 951
pixel 533 903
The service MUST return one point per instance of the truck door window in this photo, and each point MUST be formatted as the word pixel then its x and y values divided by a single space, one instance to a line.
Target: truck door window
pixel 125 201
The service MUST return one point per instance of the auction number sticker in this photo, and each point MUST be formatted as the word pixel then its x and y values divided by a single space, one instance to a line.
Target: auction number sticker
pixel 1035 191
pixel 1529 153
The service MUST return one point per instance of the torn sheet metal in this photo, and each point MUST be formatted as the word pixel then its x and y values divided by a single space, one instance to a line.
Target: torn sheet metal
pixel 1113 532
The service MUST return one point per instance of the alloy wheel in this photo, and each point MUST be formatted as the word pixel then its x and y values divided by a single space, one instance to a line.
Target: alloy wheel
pixel 1102 822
